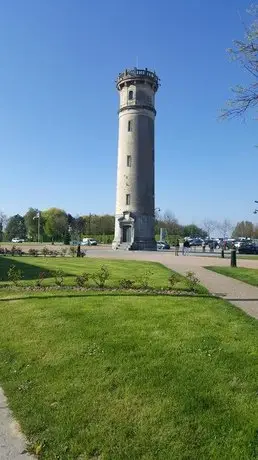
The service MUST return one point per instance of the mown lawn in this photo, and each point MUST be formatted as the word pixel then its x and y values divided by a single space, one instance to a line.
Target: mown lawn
pixel 248 275
pixel 156 274
pixel 104 376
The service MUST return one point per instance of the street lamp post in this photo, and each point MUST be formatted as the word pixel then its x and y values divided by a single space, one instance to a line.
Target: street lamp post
pixel 38 217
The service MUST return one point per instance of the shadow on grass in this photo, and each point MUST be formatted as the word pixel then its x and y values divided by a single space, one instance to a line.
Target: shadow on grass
pixel 114 294
pixel 29 271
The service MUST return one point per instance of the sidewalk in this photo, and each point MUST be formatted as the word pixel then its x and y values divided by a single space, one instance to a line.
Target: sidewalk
pixel 12 443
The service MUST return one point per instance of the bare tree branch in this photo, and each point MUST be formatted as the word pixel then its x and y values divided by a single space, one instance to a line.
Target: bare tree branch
pixel 246 53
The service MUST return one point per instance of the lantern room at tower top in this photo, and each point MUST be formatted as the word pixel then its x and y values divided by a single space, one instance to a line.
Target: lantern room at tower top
pixel 129 76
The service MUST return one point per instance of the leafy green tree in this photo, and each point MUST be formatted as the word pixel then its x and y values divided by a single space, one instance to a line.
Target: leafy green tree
pixel 15 227
pixel 243 228
pixel 245 52
pixel 55 223
pixel 32 224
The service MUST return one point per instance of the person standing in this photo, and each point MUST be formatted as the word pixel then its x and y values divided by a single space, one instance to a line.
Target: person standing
pixel 187 247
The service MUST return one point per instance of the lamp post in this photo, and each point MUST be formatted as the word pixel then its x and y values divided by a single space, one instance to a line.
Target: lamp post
pixel 38 217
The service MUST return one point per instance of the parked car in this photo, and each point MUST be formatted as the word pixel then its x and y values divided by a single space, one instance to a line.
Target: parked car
pixel 248 247
pixel 17 240
pixel 196 242
pixel 89 242
pixel 162 245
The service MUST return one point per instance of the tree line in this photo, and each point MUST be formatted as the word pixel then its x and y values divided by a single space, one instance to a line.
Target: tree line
pixel 55 224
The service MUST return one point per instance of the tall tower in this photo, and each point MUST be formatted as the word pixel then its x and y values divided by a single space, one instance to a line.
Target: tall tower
pixel 134 219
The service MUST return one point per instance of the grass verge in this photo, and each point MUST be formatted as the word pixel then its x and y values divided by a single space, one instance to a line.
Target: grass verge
pixel 248 275
pixel 156 274
pixel 114 378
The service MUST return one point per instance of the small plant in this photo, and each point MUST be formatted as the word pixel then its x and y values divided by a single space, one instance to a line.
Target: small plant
pixel 41 277
pixel 13 250
pixel 125 283
pixel 192 280
pixel 101 276
pixel 73 251
pixel 173 279
pixel 45 251
pixel 59 278
pixel 145 278
pixel 33 252
pixel 63 252
pixel 14 274
pixel 82 280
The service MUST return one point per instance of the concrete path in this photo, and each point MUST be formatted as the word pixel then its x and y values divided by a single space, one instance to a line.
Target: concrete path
pixel 12 442
pixel 238 293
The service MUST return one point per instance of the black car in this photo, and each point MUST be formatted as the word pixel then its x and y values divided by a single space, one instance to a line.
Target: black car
pixel 248 248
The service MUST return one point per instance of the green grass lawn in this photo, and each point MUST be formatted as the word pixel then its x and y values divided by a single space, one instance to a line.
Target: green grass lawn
pixel 248 275
pixel 104 376
pixel 32 266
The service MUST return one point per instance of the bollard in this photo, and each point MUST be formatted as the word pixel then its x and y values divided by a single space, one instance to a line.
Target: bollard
pixel 222 253
pixel 233 258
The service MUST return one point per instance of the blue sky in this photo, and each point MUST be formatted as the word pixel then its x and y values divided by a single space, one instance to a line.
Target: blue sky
pixel 58 106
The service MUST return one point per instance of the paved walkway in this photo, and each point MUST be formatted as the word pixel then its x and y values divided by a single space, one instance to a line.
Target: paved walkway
pixel 12 443
pixel 238 293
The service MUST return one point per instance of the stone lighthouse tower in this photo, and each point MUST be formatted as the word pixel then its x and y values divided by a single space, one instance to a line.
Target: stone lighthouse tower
pixel 134 219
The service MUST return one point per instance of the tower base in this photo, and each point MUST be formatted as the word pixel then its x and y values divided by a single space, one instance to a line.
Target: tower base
pixel 134 233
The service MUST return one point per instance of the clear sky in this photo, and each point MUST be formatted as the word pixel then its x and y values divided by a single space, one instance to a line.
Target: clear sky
pixel 58 105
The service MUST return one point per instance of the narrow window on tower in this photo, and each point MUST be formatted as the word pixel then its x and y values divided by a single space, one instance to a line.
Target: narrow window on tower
pixel 129 161
pixel 130 96
pixel 128 199
pixel 130 126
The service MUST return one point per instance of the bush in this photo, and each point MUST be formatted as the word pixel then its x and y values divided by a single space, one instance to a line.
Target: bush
pixel 63 252
pixel 45 251
pixel 59 278
pixel 126 283
pixel 173 279
pixel 192 280
pixel 73 251
pixel 53 253
pixel 41 277
pixel 82 280
pixel 100 277
pixel 33 252
pixel 145 278
pixel 14 274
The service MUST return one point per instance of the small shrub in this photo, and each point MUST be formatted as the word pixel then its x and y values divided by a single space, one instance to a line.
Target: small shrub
pixel 14 274
pixel 33 252
pixel 192 280
pixel 100 277
pixel 82 280
pixel 173 279
pixel 13 250
pixel 63 252
pixel 45 251
pixel 73 251
pixel 126 283
pixel 41 277
pixel 59 278
pixel 145 278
